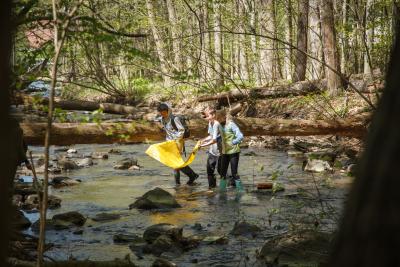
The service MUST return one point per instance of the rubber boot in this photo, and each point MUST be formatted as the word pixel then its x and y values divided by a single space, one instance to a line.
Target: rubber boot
pixel 239 186
pixel 212 182
pixel 222 185
pixel 232 181
pixel 177 175
pixel 192 178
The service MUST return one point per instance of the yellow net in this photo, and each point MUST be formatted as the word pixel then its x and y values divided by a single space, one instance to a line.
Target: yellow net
pixel 169 154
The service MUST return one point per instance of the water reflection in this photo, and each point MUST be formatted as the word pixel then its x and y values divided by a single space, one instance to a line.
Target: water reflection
pixel 104 189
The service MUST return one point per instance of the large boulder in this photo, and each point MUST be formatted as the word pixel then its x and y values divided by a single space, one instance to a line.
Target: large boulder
pixel 317 165
pixel 24 189
pixel 20 221
pixel 155 199
pixel 115 151
pixel 105 217
pixel 299 248
pixel 215 239
pixel 245 228
pixel 85 162
pixel 166 229
pixel 51 169
pixel 164 243
pixel 51 225
pixel 138 247
pixel 99 155
pixel 61 181
pixel 67 164
pixel 17 200
pixel 32 202
pixel 127 238
pixel 72 217
pixel 125 164
pixel 328 156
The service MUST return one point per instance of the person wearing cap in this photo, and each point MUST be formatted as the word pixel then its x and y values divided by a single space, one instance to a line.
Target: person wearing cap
pixel 174 131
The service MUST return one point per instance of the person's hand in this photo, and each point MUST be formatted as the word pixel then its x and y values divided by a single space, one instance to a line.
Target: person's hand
pixel 203 144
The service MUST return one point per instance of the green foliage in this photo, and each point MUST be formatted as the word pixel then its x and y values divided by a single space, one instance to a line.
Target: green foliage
pixel 99 55
pixel 60 115
pixel 97 115
pixel 117 131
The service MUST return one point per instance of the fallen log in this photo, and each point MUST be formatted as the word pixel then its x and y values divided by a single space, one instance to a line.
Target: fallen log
pixel 135 132
pixel 80 105
pixel 72 263
pixel 362 83
pixel 294 89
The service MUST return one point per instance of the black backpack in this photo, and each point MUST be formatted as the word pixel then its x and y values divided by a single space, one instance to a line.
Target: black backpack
pixel 183 121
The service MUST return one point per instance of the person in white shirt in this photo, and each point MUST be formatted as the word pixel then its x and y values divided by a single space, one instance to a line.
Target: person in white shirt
pixel 175 131
pixel 214 141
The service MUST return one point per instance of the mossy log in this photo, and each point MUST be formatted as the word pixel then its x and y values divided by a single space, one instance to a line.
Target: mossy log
pixel 136 132
pixel 361 82
pixel 79 105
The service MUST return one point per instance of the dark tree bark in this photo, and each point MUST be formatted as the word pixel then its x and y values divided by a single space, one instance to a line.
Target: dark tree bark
pixel 330 46
pixel 369 233
pixel 7 139
pixel 302 29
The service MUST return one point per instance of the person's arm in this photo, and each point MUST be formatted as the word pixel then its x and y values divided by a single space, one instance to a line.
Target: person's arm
pixel 208 141
pixel 181 130
pixel 212 138
pixel 205 140
pixel 238 134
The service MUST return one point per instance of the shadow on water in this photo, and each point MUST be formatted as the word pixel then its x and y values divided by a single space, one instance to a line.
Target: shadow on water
pixel 104 189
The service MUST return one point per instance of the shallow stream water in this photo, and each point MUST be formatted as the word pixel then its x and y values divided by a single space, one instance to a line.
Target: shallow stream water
pixel 104 189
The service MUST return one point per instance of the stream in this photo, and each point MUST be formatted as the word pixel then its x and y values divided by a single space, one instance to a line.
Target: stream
pixel 307 199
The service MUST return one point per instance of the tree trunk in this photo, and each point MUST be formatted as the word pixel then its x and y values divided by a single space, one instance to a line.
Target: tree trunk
pixel 206 73
pixel 330 48
pixel 255 57
pixel 315 43
pixel 218 47
pixel 277 67
pixel 367 38
pixel 395 18
pixel 191 52
pixel 266 45
pixel 241 14
pixel 345 38
pixel 158 43
pixel 289 38
pixel 302 28
pixel 368 233
pixel 176 51
pixel 135 132
pixel 8 140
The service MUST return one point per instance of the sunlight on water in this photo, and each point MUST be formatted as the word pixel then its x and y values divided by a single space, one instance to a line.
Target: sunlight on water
pixel 104 189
